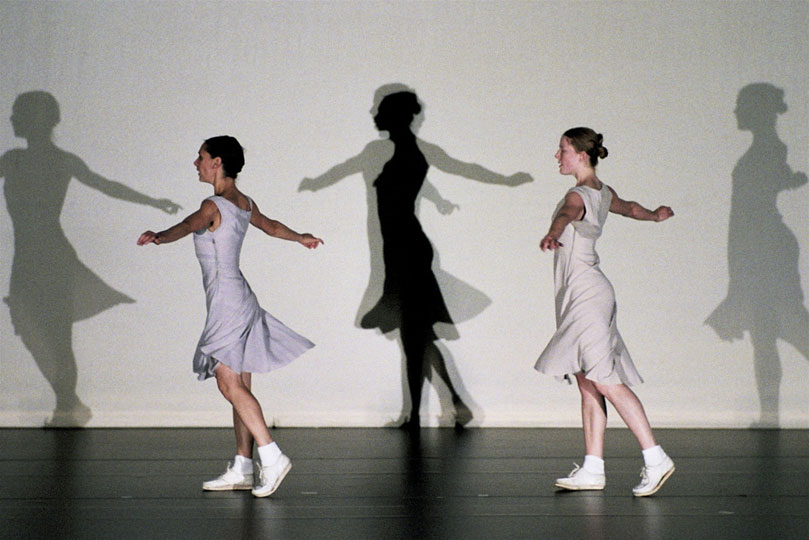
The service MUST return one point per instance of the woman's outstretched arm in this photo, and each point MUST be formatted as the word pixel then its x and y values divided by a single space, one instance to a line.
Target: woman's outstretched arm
pixel 201 219
pixel 572 210
pixel 277 229
pixel 634 210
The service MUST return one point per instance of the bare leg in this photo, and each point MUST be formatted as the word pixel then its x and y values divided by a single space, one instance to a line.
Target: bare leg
pixel 593 416
pixel 631 411
pixel 244 441
pixel 245 406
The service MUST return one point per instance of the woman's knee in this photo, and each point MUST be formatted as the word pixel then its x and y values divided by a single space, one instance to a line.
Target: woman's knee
pixel 228 381
pixel 586 386
pixel 616 392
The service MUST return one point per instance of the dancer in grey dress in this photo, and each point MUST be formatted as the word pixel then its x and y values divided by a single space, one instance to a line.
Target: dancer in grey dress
pixel 237 331
pixel 239 337
pixel 587 344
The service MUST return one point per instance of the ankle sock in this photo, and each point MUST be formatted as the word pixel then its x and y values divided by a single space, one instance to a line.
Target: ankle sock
pixel 593 464
pixel 243 464
pixel 269 453
pixel 653 456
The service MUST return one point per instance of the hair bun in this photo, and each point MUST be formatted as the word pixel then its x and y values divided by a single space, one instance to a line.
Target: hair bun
pixel 602 151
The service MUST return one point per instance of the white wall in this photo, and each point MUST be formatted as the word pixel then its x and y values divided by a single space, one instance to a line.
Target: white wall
pixel 140 84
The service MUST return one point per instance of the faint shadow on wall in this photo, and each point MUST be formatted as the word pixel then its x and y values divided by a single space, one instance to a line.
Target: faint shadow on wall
pixel 50 288
pixel 764 292
pixel 408 290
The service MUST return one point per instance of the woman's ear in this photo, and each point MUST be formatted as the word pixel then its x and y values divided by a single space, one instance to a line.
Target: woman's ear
pixel 583 157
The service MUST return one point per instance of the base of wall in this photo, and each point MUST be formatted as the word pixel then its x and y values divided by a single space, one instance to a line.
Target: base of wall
pixel 221 418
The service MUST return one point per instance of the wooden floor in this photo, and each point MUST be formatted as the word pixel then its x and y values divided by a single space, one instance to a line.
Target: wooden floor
pixel 386 484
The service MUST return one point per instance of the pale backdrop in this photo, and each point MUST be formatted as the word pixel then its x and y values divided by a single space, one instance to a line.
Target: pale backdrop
pixel 139 85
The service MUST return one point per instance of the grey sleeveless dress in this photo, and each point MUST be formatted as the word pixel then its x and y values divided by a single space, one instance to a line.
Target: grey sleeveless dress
pixel 238 332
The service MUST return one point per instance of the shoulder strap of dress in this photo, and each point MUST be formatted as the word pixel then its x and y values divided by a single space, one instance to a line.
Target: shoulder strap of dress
pixel 216 199
pixel 585 198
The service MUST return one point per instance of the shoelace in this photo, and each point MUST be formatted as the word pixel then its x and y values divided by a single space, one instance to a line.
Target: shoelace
pixel 643 475
pixel 574 471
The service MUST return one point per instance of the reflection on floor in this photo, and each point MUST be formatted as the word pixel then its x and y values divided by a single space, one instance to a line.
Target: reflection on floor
pixel 389 484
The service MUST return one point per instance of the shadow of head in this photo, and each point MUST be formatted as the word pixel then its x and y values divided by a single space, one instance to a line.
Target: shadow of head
pixel 34 113
pixel 758 106
pixel 396 105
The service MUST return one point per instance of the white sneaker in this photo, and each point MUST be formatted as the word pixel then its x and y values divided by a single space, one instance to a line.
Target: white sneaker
pixel 270 476
pixel 580 479
pixel 230 479
pixel 652 478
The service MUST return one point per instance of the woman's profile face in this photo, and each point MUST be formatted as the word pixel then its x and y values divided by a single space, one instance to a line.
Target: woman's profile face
pixel 206 166
pixel 568 158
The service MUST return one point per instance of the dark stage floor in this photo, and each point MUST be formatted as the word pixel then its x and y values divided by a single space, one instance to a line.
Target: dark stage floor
pixel 381 484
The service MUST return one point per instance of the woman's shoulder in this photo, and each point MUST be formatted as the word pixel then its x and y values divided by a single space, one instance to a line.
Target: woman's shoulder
pixel 591 192
pixel 225 203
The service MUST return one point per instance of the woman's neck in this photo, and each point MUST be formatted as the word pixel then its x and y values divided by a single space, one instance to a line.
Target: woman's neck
pixel 588 178
pixel 224 186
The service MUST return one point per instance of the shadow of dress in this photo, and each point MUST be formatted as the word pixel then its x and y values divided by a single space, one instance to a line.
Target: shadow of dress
pixel 49 288
pixel 411 298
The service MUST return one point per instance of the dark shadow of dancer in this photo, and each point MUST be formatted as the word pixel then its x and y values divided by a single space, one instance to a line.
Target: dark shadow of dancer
pixel 764 292
pixel 50 288
pixel 405 289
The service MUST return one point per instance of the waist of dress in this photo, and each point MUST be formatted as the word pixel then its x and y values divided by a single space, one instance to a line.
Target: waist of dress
pixel 222 271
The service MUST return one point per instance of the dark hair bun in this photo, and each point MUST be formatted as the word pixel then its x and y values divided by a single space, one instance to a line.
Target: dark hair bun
pixel 602 151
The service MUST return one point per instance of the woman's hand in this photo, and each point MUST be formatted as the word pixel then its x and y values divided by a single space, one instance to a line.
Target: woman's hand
pixel 309 241
pixel 148 237
pixel 663 213
pixel 550 242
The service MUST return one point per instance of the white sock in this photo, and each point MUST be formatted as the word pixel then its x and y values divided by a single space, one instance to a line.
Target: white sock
pixel 269 453
pixel 243 464
pixel 653 456
pixel 593 464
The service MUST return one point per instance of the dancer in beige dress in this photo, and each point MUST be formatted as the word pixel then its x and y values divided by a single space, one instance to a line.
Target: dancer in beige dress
pixel 587 344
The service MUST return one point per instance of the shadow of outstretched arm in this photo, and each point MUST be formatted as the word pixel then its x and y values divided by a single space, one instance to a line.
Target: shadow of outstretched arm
pixel 438 158
pixel 349 167
pixel 430 193
pixel 117 190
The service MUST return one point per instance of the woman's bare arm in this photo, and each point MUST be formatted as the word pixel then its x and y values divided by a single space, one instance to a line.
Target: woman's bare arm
pixel 633 210
pixel 572 210
pixel 277 229
pixel 201 219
